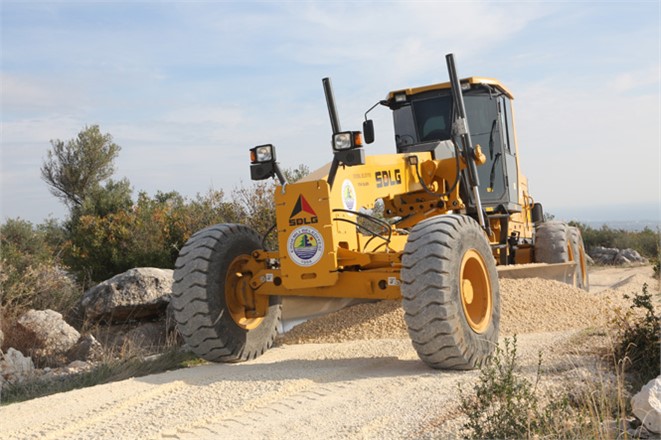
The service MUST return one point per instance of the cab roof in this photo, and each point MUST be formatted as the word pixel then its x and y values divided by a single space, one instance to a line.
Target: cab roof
pixel 473 80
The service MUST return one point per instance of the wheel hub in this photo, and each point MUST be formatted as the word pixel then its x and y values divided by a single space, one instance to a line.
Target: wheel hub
pixel 239 296
pixel 476 294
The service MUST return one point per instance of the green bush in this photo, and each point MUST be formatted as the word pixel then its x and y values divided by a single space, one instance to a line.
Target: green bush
pixel 638 345
pixel 150 233
pixel 30 274
pixel 105 237
pixel 503 404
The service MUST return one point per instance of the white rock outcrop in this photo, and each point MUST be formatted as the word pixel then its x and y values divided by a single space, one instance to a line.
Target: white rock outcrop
pixel 616 257
pixel 14 366
pixel 140 293
pixel 45 336
pixel 646 405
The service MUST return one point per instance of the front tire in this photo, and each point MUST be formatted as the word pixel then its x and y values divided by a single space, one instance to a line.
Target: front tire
pixel 209 296
pixel 450 292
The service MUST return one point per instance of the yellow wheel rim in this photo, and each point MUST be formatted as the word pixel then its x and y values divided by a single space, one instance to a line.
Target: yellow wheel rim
pixel 572 257
pixel 239 296
pixel 581 261
pixel 476 294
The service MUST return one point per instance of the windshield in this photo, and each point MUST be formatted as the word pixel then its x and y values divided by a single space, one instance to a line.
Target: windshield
pixel 423 120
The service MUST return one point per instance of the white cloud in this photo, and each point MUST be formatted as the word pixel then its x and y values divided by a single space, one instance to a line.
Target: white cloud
pixel 636 79
pixel 27 94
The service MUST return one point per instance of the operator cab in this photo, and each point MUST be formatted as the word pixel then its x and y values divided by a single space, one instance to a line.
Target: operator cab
pixel 423 122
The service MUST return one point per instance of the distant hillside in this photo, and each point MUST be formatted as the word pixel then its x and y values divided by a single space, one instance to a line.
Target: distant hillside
pixel 633 225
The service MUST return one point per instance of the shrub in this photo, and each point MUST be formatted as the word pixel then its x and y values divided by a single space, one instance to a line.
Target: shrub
pixel 104 242
pixel 38 287
pixel 637 342
pixel 504 403
pixel 30 275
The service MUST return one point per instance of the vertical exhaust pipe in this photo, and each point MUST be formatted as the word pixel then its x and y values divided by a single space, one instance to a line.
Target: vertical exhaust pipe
pixel 460 128
pixel 335 125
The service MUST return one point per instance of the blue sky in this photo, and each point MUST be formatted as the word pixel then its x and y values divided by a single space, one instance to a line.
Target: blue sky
pixel 186 88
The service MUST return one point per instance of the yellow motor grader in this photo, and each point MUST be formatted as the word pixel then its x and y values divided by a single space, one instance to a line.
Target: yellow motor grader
pixel 456 213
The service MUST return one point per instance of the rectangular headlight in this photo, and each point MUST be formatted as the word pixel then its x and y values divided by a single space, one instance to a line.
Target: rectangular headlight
pixel 262 153
pixel 347 140
pixel 342 141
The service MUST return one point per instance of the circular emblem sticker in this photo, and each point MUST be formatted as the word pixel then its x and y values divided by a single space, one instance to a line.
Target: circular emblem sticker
pixel 348 195
pixel 305 246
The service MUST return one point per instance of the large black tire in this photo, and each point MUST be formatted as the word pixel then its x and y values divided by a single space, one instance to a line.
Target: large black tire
pixel 578 252
pixel 450 292
pixel 200 301
pixel 552 243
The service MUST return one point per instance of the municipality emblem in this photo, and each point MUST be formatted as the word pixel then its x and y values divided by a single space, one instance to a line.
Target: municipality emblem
pixel 305 246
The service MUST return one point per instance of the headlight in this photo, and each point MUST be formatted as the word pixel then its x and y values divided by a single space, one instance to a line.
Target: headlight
pixel 341 141
pixel 347 140
pixel 262 153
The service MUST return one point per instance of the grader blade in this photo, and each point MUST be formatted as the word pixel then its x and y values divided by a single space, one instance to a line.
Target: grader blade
pixel 298 309
pixel 563 272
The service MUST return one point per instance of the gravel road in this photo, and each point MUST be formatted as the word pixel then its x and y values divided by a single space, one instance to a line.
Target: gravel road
pixel 369 388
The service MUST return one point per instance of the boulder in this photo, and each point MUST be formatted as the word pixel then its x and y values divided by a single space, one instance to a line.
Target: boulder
pixel 613 256
pixel 141 293
pixel 14 366
pixel 646 405
pixel 45 336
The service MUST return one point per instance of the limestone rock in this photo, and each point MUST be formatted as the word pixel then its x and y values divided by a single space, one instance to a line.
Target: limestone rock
pixel 45 336
pixel 135 294
pixel 613 256
pixel 646 405
pixel 14 366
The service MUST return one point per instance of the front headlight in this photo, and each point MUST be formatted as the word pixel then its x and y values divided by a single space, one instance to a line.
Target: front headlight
pixel 347 140
pixel 262 153
pixel 341 141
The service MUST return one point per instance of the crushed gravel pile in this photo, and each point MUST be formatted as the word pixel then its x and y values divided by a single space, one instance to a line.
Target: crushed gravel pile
pixel 527 305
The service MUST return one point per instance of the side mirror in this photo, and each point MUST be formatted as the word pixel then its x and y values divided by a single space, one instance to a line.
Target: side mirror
pixel 368 131
pixel 537 213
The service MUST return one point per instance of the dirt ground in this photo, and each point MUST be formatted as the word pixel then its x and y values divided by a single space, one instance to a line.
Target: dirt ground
pixel 363 381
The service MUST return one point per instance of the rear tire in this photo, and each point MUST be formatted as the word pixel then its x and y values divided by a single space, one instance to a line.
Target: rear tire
pixel 552 243
pixel 208 317
pixel 450 292
pixel 578 251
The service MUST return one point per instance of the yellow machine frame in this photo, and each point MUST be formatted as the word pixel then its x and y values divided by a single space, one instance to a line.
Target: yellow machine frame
pixel 321 251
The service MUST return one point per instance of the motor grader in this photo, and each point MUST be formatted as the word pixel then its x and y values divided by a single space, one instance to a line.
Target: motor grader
pixel 456 213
